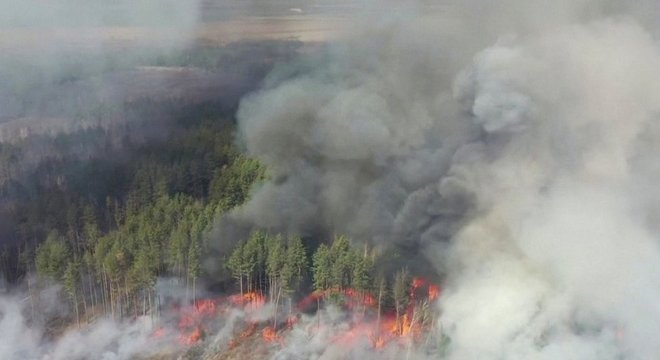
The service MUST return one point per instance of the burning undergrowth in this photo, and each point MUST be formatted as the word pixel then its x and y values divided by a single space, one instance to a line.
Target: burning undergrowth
pixel 323 321
pixel 514 151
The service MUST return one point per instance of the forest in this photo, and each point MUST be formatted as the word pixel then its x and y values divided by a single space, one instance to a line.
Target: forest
pixel 107 253
pixel 133 192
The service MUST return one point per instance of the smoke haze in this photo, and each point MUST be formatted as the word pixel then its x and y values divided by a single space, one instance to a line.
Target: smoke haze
pixel 511 145
pixel 510 142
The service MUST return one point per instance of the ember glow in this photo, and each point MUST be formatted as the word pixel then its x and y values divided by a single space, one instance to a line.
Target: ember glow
pixel 250 300
pixel 196 321
pixel 456 180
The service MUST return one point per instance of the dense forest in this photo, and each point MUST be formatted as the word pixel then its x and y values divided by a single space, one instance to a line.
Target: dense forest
pixel 107 253
pixel 103 195
pixel 132 193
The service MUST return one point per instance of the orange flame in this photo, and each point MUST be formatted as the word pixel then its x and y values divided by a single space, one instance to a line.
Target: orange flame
pixel 191 338
pixel 379 343
pixel 417 283
pixel 434 292
pixel 250 300
pixel 269 334
pixel 195 320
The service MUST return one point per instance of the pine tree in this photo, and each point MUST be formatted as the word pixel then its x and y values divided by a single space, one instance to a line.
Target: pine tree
pixel 52 257
pixel 322 268
pixel 340 255
pixel 296 262
pixel 361 278
pixel 71 278
pixel 275 262
pixel 235 264
pixel 252 255
pixel 277 272
pixel 194 269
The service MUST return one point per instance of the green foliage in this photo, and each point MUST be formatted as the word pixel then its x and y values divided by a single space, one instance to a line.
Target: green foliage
pixel 237 263
pixel 342 264
pixel 52 257
pixel 322 268
pixel 276 259
pixel 71 277
pixel 230 185
pixel 296 262
pixel 147 218
pixel 194 258
pixel 362 275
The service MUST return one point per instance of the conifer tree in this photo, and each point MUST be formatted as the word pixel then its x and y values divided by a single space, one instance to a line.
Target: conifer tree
pixel 235 264
pixel 296 261
pixel 194 269
pixel 341 258
pixel 322 268
pixel 71 278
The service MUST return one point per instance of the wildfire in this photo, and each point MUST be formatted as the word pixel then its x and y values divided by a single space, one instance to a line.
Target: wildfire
pixel 434 292
pixel 250 300
pixel 196 320
pixel 291 321
pixel 352 297
pixel 248 331
pixel 390 328
pixel 192 337
pixel 269 334
pixel 378 343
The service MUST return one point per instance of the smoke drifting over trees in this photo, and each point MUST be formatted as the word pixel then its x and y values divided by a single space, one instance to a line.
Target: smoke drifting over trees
pixel 507 148
pixel 514 154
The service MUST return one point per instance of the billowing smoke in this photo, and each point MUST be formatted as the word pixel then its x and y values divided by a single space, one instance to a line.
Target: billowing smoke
pixel 512 143
pixel 38 325
pixel 26 334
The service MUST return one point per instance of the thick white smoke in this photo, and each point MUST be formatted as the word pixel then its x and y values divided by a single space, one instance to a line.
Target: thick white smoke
pixel 40 326
pixel 27 337
pixel 519 157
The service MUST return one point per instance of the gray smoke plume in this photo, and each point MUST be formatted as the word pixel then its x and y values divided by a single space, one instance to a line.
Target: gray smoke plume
pixel 513 143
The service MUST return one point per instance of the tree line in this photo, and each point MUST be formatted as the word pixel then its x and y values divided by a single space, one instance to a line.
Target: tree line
pixel 108 257
pixel 282 267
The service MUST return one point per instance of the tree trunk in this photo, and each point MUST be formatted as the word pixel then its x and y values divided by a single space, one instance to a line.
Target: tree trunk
pixel 398 323
pixel 380 301
pixel 187 292
pixel 277 301
pixel 193 290
pixel 75 308
pixel 128 298
pixel 318 311
pixel 112 300
pixel 82 290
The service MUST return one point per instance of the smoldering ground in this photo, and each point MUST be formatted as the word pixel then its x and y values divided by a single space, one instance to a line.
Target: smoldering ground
pixel 511 143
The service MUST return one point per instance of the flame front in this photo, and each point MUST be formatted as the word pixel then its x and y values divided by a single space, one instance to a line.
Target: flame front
pixel 380 330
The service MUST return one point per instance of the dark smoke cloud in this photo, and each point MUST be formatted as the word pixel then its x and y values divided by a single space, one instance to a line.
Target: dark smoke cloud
pixel 508 142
